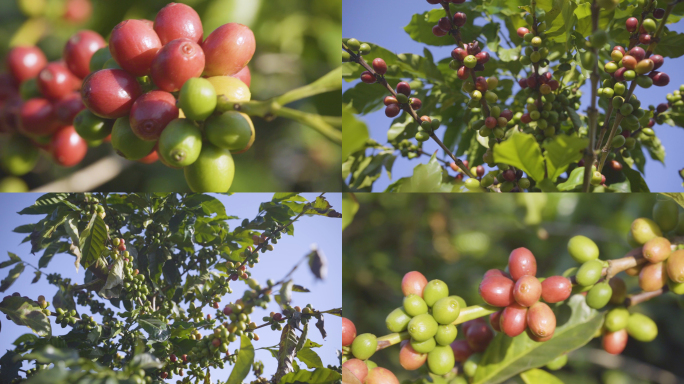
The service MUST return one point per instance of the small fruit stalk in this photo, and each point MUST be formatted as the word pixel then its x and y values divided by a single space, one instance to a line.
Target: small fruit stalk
pixel 517 302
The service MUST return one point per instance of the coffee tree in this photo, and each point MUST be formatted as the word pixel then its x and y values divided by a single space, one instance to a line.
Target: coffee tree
pixel 523 321
pixel 514 115
pixel 158 273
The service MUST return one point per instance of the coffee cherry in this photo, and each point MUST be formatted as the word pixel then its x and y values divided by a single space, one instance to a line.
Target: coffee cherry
pixel 435 290
pixel 127 143
pixel 441 360
pixel 25 63
pixel 364 346
pixel 379 66
pixel 422 327
pixel 437 31
pixel 176 21
pixel 513 320
pixel 414 305
pixel 446 334
pixel 615 342
pixel 631 24
pixel 497 291
pixel 479 335
pixel 527 290
pixel 660 79
pixel 459 54
pixel 521 262
pixel 649 25
pixel 470 61
pixel 495 319
pixel 463 73
pixel 657 249
pixel 645 39
pixel 416 104
pixel 496 272
pixel 653 277
pixel 522 31
pixel 358 368
pixel 444 24
pixel 213 170
pixel 445 310
pixel 413 282
pixel 67 147
pixel 79 51
pixel 460 19
pixel 638 53
pixel 582 249
pixel 397 320
pixel 175 63
pixel 18 155
pixel 37 117
pixel 599 295
pixel 180 143
pixel 151 113
pixel 392 110
pixel 675 266
pixel 616 319
pixel 409 359
pixel 68 107
pixel 228 49
pixel 657 61
pixel 589 273
pixel 644 229
pixel 541 321
pixel 404 88
pixel 91 127
pixel 461 350
pixel 110 93
pixel 197 99
pixel 368 77
pixel 381 375
pixel 424 346
pixel 134 44
pixel 641 327
pixel 56 81
pixel 491 122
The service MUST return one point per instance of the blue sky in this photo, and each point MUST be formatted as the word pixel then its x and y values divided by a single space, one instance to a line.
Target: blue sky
pixel 382 22
pixel 326 232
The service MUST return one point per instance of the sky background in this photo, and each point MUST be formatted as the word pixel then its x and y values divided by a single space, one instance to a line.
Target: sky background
pixel 324 231
pixel 382 22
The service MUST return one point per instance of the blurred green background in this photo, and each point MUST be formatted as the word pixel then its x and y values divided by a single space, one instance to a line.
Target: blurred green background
pixel 457 239
pixel 297 42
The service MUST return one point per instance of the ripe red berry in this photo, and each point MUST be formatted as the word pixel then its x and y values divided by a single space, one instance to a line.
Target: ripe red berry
pixel 459 54
pixel 110 93
pixel 437 31
pixel 473 48
pixel 416 103
pixel 662 107
pixel 616 165
pixel 56 81
pixel 77 11
pixel 461 349
pixel 404 87
pixel 482 57
pixel 554 84
pixel 37 117
pixel 490 122
pixel 556 289
pixel 509 175
pixel 460 19
pixel 368 77
pixel 463 72
pixel 380 66
pixel 390 100
pixel 25 62
pixel 619 75
pixel 658 13
pixel 522 83
pixel 348 330
pixel 175 63
pixel 532 82
pixel 481 84
pixel 133 45
pixel 392 110
pixel 444 24
pixel 525 118
pixel 176 21
pixel 497 291
pixel 279 316
pixel 541 321
pixel 244 75
pixel 172 358
pixel 631 24
pixel 521 261
pixel 227 310
pixel 513 320
pixel 657 61
pixel 494 319
pixel 527 290
pixel 479 336
pixel 480 171
pixel 620 48
pixel 645 38
pixel 615 342
pixel 660 79
pixel 80 49
pixel 413 283
pixel 228 49
pixel 68 107
pixel 522 31
pixel 151 113
pixel 638 53
pixel 67 147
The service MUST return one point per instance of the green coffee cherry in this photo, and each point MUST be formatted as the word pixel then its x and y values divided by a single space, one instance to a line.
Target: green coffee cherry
pixel 642 327
pixel 446 334
pixel 364 346
pixel 616 319
pixel 599 295
pixel 470 365
pixel 447 309
pixel 644 229
pixel 666 214
pixel 364 49
pixel 425 346
pixel 353 44
pixel 557 363
pixel 589 273
pixel 414 305
pixel 441 360
pixel 583 249
pixel 397 320
pixel 435 290
pixel 422 327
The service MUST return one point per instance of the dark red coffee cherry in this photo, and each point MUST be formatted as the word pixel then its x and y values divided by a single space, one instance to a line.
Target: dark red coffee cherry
pixel 380 66
pixel 67 147
pixel 25 62
pixel 68 107
pixel 638 53
pixel 479 336
pixel 460 19
pixel 79 50
pixel 482 57
pixel 459 54
pixel 176 21
pixel 416 103
pixel 56 81
pixel 368 77
pixel 176 62
pixel 151 113
pixel 554 84
pixel 133 45
pixel 657 61
pixel 494 320
pixel 439 32
pixel 631 24
pixel 228 49
pixel 490 122
pixel 662 107
pixel 37 118
pixel 658 13
pixel 404 87
pixel 660 79
pixel 390 100
pixel 645 38
pixel 513 320
pixel 110 93
pixel 506 114
pixel 556 289
pixel 444 24
pixel 497 291
pixel 392 110
pixel 521 262
pixel 244 75
pixel 461 350
pixel 480 171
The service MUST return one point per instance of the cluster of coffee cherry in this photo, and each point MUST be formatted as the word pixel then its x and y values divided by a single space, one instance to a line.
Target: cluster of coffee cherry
pixel 535 53
pixel 445 25
pixel 634 65
pixel 674 102
pixel 648 25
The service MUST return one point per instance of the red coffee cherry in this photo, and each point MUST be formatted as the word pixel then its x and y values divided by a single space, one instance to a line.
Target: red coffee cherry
pixel 481 84
pixel 244 75
pixel 619 48
pixel 437 31
pixel 638 53
pixel 358 368
pixel 657 61
pixel 653 277
pixel 68 107
pixel 380 66
pixel 461 350
pixel 494 320
pixel 465 326
pixel 506 114
pixel 619 75
pixel 631 24
pixel 480 171
pixel 413 283
pixel 151 113
pixel 227 310
pixel 522 31
pixel 541 320
pixel 367 77
pixel 56 81
pixel 554 84
pixel 409 359
pixel 173 358
pixel 629 62
pixel 79 50
pixel 404 87
pixel 176 62
pixel 479 336
pixel 556 289
pixel 521 262
pixel 133 45
pixel 379 375
pixel 615 342
pixel 482 57
pixel 490 122
pixel 660 79
pixel 460 19
pixel 527 290
pixel 525 118
pixel 513 320
pixel 348 331
pixel 494 272
pixel 645 38
pixel 392 110
pixel 25 63
pixel 390 100
pixel 77 11
pixel 110 93
pixel 67 147
pixel 459 54
pixel 444 24
pixel 497 291
pixel 228 49
pixel 176 21
pixel 37 117
pixel 416 103
pixel 463 72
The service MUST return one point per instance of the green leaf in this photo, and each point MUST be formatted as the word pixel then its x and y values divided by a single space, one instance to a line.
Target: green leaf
pixel 575 179
pixel 93 241
pixel 538 376
pixel 677 197
pixel 45 204
pixel 50 354
pixel 636 181
pixel 521 151
pixel 420 27
pixel 11 277
pixel 349 208
pixel 114 283
pixel 562 151
pixel 671 45
pixel 506 357
pixel 317 376
pixel 13 260
pixel 286 352
pixel 23 311
pixel 71 228
pixel 354 132
pixel 426 178
pixel 144 361
pixel 25 338
pixel 310 358
pixel 155 328
pixel 244 361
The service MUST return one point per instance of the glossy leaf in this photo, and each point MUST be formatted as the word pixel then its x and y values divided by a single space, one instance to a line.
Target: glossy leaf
pixel 93 241
pixel 24 311
pixel 317 376
pixel 521 151
pixel 354 132
pixel 562 151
